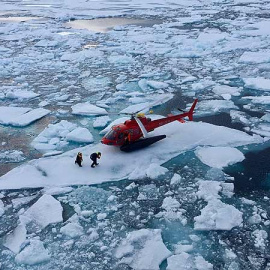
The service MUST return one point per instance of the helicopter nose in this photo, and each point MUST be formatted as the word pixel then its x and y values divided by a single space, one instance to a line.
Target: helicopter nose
pixel 106 141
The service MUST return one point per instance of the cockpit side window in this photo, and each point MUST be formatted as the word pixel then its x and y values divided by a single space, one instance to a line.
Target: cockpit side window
pixel 111 135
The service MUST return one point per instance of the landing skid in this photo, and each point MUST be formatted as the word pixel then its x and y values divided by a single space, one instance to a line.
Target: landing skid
pixel 141 143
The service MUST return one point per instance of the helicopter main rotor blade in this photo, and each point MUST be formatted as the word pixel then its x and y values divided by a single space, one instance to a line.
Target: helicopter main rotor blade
pixel 140 124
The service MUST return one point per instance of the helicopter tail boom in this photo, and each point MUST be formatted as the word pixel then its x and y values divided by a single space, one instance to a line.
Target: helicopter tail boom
pixel 191 111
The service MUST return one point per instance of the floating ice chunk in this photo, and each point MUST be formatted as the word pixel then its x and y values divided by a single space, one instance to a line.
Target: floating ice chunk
pixel 247 201
pixel 255 57
pixel 11 156
pixel 219 157
pixel 155 170
pixel 120 59
pixel 72 230
pixel 45 211
pixel 179 248
pixel 143 249
pixel 241 117
pixel 170 204
pixel 148 192
pixel 184 261
pixel 55 136
pixel 32 254
pixel 208 190
pixel 157 85
pixel 87 109
pixel 260 238
pixel 214 106
pixel 80 134
pixel 227 189
pixel 101 121
pixel 215 217
pixel 202 264
pixel 14 240
pixel 18 202
pixel 101 216
pixel 21 94
pixel 225 89
pixel 27 118
pixel 258 83
pixel 176 179
pixel 46 43
pixel 263 100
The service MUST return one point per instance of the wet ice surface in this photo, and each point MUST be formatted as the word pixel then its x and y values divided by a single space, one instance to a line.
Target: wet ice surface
pixel 58 82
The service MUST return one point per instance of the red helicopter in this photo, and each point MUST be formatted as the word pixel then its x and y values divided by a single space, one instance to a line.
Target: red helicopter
pixel 128 135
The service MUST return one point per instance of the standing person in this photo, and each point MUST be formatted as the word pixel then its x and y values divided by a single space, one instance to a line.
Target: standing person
pixel 94 157
pixel 79 159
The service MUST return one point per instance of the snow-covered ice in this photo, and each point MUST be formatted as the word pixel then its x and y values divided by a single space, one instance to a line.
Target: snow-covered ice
pixel 34 253
pixel 48 171
pixel 219 157
pixel 214 216
pixel 45 211
pixel 19 116
pixel 143 249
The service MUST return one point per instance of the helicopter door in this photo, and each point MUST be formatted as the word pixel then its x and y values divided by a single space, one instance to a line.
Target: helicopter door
pixel 120 138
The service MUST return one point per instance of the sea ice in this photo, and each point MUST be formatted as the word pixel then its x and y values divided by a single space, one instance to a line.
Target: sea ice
pixel 101 122
pixel 219 157
pixel 15 239
pixel 214 216
pixel 72 230
pixel 87 109
pixel 80 134
pixel 206 107
pixel 180 137
pixel 34 253
pixel 20 117
pixel 257 83
pixel 45 211
pixel 12 156
pixel 185 261
pixel 143 249
pixel 155 170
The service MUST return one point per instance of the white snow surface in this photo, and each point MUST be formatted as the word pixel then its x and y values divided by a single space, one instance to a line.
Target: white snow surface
pixel 214 216
pixel 19 116
pixel 61 170
pixel 15 239
pixel 185 261
pixel 34 253
pixel 47 210
pixel 87 109
pixel 219 157
pixel 258 83
pixel 143 249
pixel 80 134
pixel 72 230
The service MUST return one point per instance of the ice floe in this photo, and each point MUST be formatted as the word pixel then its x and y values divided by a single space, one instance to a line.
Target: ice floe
pixel 214 216
pixel 45 211
pixel 87 109
pixel 34 253
pixel 219 157
pixel 143 249
pixel 20 117
pixel 180 137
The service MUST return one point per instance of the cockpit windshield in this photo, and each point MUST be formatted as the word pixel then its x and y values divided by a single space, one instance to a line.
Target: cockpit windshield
pixel 111 135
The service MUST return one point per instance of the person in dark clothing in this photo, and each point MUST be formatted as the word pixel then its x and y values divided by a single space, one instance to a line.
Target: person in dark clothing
pixel 79 159
pixel 94 157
